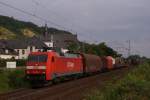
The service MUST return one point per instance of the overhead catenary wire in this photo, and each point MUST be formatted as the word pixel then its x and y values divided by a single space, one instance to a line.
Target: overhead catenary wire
pixel 65 19
pixel 42 5
pixel 30 14
pixel 40 18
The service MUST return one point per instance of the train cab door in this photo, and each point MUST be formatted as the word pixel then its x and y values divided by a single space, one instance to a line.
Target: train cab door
pixel 50 67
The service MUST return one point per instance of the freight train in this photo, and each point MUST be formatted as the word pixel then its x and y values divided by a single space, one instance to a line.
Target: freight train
pixel 42 67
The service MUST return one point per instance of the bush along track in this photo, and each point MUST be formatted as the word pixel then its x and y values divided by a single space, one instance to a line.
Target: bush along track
pixel 12 79
pixel 134 86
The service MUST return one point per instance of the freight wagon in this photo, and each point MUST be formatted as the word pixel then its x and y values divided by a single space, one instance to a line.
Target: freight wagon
pixel 91 63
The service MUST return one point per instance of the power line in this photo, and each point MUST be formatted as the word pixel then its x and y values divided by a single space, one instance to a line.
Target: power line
pixel 42 5
pixel 129 48
pixel 30 14
pixel 38 17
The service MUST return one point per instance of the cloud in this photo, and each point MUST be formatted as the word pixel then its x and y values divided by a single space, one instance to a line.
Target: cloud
pixel 93 20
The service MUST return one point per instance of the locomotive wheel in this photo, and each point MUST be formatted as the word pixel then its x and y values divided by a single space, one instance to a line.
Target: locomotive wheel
pixel 56 81
pixel 37 84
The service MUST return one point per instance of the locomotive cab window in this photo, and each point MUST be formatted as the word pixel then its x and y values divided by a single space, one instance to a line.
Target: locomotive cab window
pixel 37 58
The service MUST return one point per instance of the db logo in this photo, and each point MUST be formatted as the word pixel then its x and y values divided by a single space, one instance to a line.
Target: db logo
pixel 70 64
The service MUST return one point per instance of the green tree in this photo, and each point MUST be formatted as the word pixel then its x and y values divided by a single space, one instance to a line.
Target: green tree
pixel 100 49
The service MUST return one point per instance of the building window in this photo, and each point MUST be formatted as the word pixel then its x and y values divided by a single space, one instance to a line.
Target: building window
pixel 23 51
pixel 18 51
pixel 6 51
pixel 31 49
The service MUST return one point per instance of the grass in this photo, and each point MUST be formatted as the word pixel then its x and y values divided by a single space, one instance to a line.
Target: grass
pixel 134 86
pixel 28 32
pixel 4 83
pixel 12 79
pixel 6 34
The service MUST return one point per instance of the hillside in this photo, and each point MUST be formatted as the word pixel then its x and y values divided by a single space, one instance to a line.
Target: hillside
pixel 11 28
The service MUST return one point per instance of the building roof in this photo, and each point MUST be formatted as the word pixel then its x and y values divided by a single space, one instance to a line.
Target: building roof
pixel 2 44
pixel 34 41
pixel 23 44
pixel 60 40
pixel 61 36
pixel 3 49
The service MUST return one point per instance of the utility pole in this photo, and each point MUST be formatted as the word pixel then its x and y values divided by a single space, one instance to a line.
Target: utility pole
pixel 78 44
pixel 129 48
pixel 83 46
pixel 52 40
pixel 46 31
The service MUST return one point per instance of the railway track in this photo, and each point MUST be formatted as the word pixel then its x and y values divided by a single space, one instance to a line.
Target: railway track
pixel 12 94
pixel 71 90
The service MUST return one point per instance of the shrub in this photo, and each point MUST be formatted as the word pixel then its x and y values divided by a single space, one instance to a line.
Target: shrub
pixel 4 82
pixel 17 79
pixel 135 86
pixel 21 62
pixel 12 79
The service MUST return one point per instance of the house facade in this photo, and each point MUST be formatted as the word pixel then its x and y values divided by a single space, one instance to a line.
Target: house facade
pixel 20 48
pixel 23 47
pixel 7 53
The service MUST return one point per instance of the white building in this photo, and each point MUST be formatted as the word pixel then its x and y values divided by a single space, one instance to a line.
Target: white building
pixel 21 47
pixel 7 53
pixel 8 56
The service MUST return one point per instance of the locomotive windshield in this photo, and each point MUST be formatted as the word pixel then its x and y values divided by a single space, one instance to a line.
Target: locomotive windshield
pixel 37 58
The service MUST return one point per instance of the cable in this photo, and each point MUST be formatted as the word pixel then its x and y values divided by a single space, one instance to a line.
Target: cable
pixel 30 14
pixel 38 17
pixel 42 5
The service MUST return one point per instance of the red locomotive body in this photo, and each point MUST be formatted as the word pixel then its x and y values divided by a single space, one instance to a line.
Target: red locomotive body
pixel 50 65
pixel 66 65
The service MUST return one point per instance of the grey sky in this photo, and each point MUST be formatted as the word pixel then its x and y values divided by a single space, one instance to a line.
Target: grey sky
pixel 93 20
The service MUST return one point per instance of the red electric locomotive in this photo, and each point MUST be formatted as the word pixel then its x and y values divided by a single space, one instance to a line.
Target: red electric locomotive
pixel 50 65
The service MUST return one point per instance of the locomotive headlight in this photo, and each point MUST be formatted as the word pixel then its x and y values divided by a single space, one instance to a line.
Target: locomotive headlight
pixel 30 67
pixel 41 67
pixel 36 67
